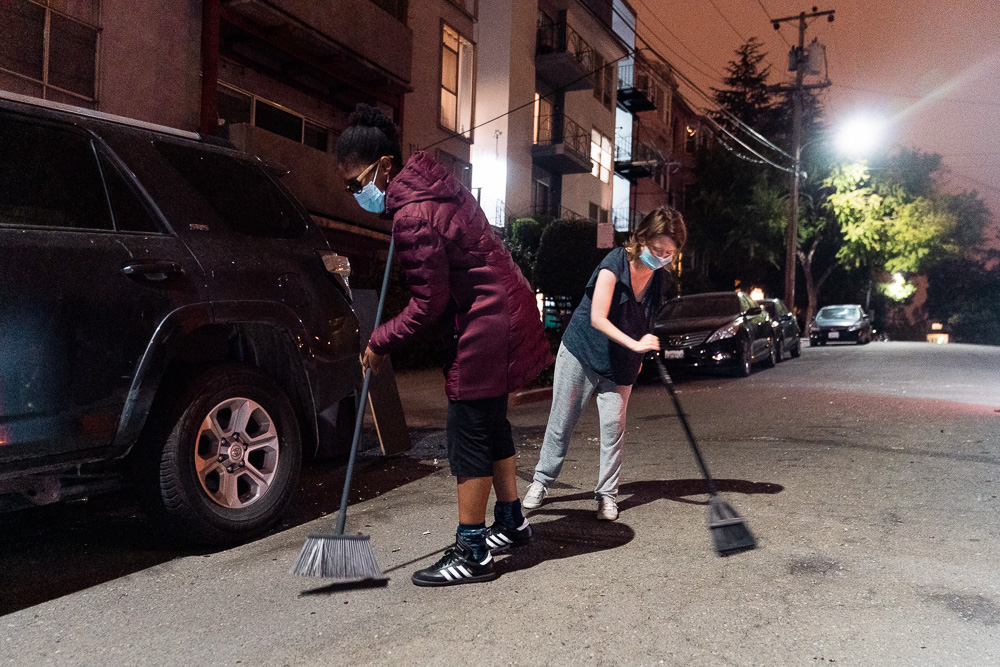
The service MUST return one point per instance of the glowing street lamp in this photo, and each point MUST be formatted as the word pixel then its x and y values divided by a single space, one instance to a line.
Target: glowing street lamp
pixel 859 136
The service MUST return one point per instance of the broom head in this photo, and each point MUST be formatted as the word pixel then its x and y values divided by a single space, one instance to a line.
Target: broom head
pixel 729 530
pixel 343 557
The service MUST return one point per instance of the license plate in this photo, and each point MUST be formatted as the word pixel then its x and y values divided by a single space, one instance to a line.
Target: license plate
pixel 673 354
pixel 833 334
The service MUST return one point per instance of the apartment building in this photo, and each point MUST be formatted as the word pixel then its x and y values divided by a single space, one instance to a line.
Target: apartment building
pixel 546 100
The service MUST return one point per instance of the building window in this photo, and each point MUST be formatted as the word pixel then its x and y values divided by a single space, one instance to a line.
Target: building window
pixel 598 214
pixel 604 81
pixel 543 121
pixel 50 48
pixel 457 57
pixel 457 166
pixel 600 155
pixel 236 106
pixel 690 139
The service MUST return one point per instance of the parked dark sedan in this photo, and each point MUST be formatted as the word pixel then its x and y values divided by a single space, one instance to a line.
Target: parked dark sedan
pixel 715 330
pixel 786 327
pixel 843 323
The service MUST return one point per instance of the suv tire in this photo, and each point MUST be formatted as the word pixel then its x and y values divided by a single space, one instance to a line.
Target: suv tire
pixel 222 458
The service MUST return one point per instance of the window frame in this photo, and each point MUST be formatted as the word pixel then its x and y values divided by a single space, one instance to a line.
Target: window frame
pixel 468 135
pixel 306 120
pixel 598 164
pixel 46 55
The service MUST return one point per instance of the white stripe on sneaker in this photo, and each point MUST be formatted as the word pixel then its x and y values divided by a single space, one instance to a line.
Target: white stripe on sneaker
pixel 447 575
pixel 454 572
pixel 493 542
pixel 464 571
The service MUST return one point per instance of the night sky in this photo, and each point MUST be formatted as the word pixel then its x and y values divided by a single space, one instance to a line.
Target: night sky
pixel 931 69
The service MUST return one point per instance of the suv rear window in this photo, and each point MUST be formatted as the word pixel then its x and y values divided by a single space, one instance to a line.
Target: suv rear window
pixel 239 192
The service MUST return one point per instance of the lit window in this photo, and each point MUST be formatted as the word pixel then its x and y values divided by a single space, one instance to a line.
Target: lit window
pixel 600 156
pixel 690 139
pixel 457 55
pixel 54 50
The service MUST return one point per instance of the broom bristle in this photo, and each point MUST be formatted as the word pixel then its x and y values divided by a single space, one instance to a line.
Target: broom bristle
pixel 729 530
pixel 344 557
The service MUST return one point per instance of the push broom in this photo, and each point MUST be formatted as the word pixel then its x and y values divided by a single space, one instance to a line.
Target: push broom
pixel 339 556
pixel 729 531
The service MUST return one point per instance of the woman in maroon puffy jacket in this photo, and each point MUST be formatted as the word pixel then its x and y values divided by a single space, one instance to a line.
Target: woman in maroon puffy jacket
pixel 464 283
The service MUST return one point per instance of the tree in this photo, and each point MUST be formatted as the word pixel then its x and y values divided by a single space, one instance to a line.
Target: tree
pixel 567 255
pixel 746 95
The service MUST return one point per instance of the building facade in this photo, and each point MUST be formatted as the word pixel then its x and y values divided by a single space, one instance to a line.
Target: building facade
pixel 546 100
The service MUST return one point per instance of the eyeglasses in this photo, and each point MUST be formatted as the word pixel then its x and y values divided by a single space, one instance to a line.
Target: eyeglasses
pixel 355 185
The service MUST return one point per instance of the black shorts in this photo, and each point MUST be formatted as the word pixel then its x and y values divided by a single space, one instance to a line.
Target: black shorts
pixel 478 434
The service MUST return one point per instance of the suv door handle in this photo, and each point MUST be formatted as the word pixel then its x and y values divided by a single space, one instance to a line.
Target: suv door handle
pixel 153 271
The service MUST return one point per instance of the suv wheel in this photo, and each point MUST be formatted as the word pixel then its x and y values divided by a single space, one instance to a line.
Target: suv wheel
pixel 796 348
pixel 224 457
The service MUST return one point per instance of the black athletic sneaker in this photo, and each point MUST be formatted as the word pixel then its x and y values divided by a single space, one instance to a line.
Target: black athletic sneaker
pixel 499 538
pixel 457 566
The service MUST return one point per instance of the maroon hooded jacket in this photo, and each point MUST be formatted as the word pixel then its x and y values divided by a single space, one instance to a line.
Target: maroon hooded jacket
pixel 462 282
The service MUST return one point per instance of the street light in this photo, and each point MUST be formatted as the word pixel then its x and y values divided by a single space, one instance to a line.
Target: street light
pixel 859 136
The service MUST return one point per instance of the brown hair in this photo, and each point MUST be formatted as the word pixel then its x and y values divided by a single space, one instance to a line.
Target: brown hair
pixel 663 220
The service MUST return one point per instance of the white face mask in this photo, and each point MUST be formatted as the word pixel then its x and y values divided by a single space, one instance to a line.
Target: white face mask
pixel 654 262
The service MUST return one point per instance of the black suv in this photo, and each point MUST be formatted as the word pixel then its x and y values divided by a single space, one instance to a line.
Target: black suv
pixel 168 315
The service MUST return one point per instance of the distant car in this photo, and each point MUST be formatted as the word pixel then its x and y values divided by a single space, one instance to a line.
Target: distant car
pixel 786 327
pixel 726 330
pixel 843 323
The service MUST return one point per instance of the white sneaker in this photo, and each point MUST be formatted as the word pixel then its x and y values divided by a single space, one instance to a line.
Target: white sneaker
pixel 607 508
pixel 534 496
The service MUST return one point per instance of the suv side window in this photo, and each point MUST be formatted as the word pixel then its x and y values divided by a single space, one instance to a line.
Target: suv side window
pixel 238 191
pixel 131 213
pixel 49 178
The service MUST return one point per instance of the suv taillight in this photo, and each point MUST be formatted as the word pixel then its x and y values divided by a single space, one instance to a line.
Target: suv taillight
pixel 339 267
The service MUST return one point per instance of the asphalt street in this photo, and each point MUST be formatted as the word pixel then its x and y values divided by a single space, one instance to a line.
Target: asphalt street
pixel 869 475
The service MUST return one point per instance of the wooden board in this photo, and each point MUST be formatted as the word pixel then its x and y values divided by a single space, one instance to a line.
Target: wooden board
pixel 383 394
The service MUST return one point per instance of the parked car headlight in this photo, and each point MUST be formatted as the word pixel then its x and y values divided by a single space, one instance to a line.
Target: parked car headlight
pixel 727 331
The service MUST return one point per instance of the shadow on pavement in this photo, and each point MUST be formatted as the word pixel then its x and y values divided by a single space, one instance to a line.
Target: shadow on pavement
pixel 573 533
pixel 51 551
pixel 634 494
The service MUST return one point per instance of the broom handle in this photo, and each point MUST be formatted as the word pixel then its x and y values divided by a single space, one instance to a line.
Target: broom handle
pixel 342 515
pixel 669 384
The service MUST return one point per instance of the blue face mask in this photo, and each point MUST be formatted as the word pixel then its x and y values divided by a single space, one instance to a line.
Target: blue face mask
pixel 654 262
pixel 371 198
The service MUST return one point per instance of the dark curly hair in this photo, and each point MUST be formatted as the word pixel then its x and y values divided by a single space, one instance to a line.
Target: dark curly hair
pixel 369 136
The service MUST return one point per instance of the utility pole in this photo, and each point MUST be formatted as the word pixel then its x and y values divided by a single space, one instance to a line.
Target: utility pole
pixel 796 62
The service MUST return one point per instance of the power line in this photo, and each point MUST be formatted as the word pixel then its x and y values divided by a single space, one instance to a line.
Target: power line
pixel 771 20
pixel 672 34
pixel 631 52
pixel 740 123
pixel 728 22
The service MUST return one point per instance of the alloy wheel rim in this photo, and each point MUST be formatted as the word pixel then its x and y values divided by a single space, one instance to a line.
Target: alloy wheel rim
pixel 236 453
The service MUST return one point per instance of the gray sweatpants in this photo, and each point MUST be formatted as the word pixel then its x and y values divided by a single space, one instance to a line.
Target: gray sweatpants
pixel 572 388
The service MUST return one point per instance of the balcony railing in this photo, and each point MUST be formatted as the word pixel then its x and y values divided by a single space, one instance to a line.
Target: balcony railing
pixel 563 58
pixel 554 212
pixel 561 144
pixel 636 91
pixel 635 158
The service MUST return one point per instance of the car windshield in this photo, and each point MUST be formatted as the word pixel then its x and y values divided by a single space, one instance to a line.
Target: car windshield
pixel 710 306
pixel 838 313
pixel 769 306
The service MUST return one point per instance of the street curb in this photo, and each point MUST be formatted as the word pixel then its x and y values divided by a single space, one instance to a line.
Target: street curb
pixel 530 396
